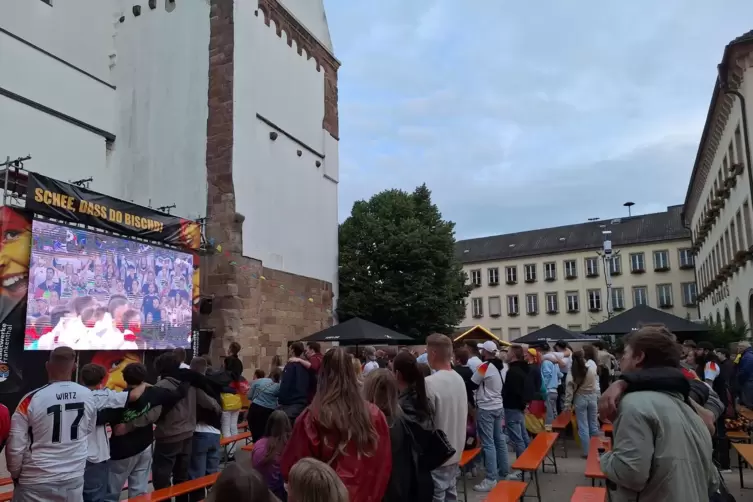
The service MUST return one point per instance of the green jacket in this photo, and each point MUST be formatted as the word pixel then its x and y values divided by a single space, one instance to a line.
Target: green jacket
pixel 662 451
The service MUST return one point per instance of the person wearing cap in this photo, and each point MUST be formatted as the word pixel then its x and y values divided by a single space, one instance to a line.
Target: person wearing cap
pixel 488 384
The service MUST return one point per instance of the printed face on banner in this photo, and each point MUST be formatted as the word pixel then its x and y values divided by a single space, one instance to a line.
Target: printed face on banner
pixel 115 362
pixel 14 258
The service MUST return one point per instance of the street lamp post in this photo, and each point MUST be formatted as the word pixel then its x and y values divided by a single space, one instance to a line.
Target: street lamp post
pixel 608 270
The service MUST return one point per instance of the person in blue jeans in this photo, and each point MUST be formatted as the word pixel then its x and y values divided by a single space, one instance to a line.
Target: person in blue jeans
pixel 487 380
pixel 582 394
pixel 550 375
pixel 517 392
pixel 205 448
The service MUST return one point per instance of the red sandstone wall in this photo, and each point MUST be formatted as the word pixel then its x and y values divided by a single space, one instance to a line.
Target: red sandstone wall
pixel 253 305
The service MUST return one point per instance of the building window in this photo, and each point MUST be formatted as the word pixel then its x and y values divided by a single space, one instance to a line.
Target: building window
pixel 686 258
pixel 531 329
pixel 661 261
pixel 594 300
pixel 740 234
pixel 640 296
pixel 615 265
pixel 618 299
pixel 571 269
pixel 664 295
pixel 477 307
pixel 573 305
pixel 530 272
pixel 733 238
pixel 476 277
pixel 495 306
pixel 550 271
pixel 514 333
pixel 497 332
pixel 574 327
pixel 592 267
pixel 637 263
pixel 532 304
pixel 739 145
pixel 746 219
pixel 493 276
pixel 552 304
pixel 688 294
pixel 511 275
pixel 513 306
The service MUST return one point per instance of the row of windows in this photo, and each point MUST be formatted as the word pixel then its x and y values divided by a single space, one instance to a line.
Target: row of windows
pixel 738 236
pixel 591 266
pixel 572 300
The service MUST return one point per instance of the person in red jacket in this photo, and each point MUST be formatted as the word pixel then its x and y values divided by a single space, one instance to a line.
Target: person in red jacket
pixel 344 431
pixel 4 426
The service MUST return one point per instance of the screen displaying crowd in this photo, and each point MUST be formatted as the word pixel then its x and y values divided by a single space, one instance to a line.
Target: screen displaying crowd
pixel 90 291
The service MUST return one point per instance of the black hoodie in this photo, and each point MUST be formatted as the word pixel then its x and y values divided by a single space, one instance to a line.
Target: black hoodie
pixel 514 390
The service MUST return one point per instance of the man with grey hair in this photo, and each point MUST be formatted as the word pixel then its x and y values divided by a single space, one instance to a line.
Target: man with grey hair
pixel 745 373
pixel 371 364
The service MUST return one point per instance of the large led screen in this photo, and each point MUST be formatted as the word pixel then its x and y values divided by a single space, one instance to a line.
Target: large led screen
pixel 91 291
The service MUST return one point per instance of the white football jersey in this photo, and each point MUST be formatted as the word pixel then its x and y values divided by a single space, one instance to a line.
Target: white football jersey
pixel 49 433
pixel 98 442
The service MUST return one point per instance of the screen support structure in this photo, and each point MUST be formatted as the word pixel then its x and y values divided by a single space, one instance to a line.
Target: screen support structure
pixel 15 179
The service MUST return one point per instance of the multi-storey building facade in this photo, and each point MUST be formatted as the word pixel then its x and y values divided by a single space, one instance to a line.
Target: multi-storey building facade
pixel 718 203
pixel 528 280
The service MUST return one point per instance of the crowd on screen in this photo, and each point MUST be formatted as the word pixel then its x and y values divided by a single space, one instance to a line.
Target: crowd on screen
pixel 107 298
pixel 380 426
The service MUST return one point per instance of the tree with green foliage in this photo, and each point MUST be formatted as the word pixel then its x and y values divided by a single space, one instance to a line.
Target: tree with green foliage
pixel 398 266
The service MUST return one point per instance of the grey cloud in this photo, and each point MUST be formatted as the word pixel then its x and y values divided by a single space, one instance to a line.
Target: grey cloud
pixel 519 115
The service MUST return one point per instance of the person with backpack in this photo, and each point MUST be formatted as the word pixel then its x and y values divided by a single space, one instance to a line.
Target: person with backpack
pixel 487 380
pixel 517 392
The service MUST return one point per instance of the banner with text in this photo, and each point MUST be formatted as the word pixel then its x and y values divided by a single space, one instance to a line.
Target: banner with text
pixel 64 201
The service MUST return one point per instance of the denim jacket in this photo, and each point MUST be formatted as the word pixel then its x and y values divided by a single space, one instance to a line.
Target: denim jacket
pixel 550 374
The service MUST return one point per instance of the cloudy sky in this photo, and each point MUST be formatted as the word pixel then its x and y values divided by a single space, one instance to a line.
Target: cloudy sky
pixel 522 114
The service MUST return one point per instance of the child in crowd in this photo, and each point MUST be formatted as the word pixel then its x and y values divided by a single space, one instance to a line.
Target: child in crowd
pixel 237 483
pixel 312 480
pixel 267 450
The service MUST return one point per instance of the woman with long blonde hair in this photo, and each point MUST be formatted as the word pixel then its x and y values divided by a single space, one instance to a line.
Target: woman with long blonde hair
pixel 341 429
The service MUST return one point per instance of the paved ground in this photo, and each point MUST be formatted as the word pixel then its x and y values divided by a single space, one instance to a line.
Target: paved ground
pixel 559 487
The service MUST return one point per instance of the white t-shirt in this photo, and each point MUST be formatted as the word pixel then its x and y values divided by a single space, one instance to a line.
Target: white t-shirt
pixel 184 366
pixel 474 362
pixel 591 365
pixel 489 392
pixel 49 433
pixel 207 429
pixel 446 392
pixel 369 367
pixel 98 443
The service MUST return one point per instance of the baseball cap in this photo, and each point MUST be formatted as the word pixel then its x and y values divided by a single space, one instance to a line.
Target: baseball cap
pixel 488 346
